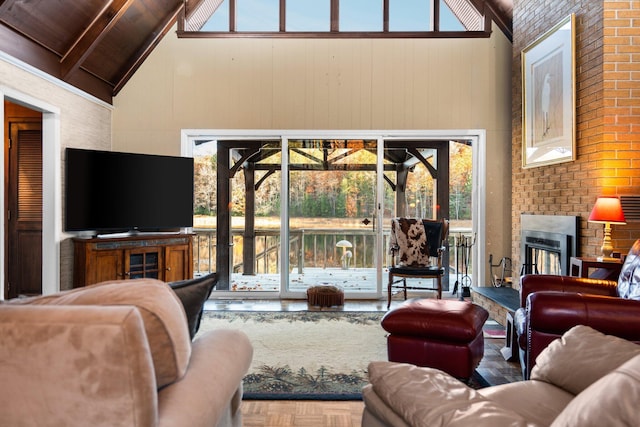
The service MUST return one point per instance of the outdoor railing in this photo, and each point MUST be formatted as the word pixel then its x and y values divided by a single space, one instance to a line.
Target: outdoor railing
pixel 309 248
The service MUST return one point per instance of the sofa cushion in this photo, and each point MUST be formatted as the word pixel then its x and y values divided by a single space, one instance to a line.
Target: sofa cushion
pixel 430 397
pixel 581 357
pixel 193 293
pixel 376 409
pixel 164 319
pixel 543 402
pixel 610 401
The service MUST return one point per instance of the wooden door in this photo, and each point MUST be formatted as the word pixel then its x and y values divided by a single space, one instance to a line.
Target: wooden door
pixel 177 263
pixel 108 266
pixel 144 262
pixel 24 209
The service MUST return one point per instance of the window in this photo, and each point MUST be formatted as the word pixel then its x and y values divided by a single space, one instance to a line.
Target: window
pixel 360 15
pixel 308 15
pixel 410 15
pixel 257 15
pixel 332 18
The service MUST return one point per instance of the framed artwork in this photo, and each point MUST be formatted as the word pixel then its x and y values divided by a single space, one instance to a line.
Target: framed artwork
pixel 548 97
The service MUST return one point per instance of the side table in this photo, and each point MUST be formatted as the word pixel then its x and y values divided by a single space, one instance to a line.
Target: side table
pixel 510 350
pixel 607 270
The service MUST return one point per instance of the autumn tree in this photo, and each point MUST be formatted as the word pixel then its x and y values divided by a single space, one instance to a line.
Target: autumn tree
pixel 460 181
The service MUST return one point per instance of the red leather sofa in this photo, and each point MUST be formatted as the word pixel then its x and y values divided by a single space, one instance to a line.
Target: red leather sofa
pixel 551 305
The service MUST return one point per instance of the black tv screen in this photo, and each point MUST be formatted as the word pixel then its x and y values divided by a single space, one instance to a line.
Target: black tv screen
pixel 109 191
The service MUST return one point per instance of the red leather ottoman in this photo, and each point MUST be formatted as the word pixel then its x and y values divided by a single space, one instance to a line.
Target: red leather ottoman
pixel 442 334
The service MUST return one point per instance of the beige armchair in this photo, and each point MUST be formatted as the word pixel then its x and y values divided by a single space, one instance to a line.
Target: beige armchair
pixel 116 354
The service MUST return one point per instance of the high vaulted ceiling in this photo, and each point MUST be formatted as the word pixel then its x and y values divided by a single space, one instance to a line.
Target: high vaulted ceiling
pixel 97 45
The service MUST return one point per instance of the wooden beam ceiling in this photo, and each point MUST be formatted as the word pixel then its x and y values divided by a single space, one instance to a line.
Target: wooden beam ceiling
pixel 95 45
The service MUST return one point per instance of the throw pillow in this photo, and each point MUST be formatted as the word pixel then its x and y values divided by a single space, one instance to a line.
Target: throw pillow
pixel 629 280
pixel 581 357
pixel 409 240
pixel 193 293
pixel 610 401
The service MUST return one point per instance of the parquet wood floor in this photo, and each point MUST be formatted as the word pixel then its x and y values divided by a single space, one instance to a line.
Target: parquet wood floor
pixel 301 413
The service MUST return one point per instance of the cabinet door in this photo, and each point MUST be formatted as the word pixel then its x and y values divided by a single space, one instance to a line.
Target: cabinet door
pixel 177 262
pixel 144 262
pixel 107 266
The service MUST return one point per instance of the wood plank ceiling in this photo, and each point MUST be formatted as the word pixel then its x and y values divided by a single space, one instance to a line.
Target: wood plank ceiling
pixel 97 45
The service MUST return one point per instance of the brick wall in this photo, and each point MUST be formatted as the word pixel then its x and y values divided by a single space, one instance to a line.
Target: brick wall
pixel 620 147
pixel 607 118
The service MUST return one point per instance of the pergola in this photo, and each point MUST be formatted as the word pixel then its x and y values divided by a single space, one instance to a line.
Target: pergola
pixel 249 157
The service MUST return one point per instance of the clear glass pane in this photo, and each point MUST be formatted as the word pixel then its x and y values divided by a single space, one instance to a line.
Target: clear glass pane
pixel 420 191
pixel 205 166
pixel 460 225
pixel 219 21
pixel 409 15
pixel 308 15
pixel 256 230
pixel 254 203
pixel 448 21
pixel 332 199
pixel 405 170
pixel 360 15
pixel 258 15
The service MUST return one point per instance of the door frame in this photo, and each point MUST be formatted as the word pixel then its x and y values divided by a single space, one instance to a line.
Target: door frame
pixel 284 214
pixel 51 190
pixel 478 202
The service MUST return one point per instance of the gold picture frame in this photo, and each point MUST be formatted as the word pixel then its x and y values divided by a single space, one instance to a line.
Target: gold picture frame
pixel 548 97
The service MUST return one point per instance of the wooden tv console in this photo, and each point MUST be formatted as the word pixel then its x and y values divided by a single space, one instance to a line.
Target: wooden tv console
pixel 167 257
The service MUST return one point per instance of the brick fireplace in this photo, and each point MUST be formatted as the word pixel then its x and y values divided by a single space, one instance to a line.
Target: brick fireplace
pixel 547 243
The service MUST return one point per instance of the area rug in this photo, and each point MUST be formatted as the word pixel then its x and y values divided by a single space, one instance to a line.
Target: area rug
pixel 493 329
pixel 308 355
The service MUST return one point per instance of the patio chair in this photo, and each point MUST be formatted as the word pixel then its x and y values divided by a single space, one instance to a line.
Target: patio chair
pixel 416 247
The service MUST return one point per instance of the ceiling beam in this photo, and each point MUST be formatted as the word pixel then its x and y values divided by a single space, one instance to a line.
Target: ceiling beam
pixel 94 33
pixel 26 50
pixel 152 41
pixel 500 11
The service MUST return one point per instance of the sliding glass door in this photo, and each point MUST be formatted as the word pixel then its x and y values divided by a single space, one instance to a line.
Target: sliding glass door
pixel 332 215
pixel 275 215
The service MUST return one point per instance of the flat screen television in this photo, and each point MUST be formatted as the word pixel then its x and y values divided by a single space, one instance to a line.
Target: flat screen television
pixel 111 192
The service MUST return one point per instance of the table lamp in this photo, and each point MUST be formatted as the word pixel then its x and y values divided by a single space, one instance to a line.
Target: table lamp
pixel 607 210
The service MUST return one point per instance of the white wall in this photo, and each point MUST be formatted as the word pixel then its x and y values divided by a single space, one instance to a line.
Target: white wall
pixel 331 84
pixel 71 118
pixel 248 83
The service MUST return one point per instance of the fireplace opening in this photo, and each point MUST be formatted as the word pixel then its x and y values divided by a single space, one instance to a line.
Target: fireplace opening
pixel 544 253
pixel 547 243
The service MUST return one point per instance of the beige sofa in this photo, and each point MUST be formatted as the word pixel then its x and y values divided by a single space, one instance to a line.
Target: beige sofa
pixel 116 354
pixel 584 378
